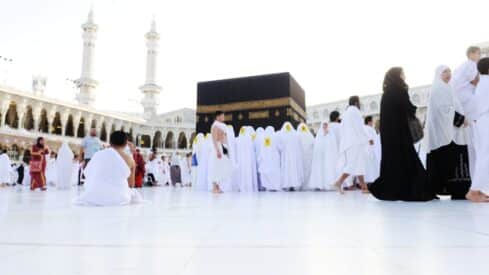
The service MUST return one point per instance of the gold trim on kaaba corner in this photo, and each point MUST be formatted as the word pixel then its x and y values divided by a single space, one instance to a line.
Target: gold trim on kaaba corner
pixel 251 105
pixel 258 115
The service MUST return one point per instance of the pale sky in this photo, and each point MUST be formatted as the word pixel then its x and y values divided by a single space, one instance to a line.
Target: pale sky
pixel 333 48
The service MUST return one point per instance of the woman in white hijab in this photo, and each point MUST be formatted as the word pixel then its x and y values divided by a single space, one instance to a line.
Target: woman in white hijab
pixel 269 161
pixel 445 139
pixel 291 163
pixel 247 176
pixel 324 160
pixel 307 142
pixel 64 167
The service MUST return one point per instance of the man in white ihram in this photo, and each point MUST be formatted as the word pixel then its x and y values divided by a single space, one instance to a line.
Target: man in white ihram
pixel 353 145
pixel 109 176
pixel 220 166
pixel 464 80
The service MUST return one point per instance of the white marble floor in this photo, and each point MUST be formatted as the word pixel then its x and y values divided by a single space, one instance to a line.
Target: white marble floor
pixel 183 232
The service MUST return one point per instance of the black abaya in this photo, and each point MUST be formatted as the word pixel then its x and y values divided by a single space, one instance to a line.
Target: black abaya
pixel 402 175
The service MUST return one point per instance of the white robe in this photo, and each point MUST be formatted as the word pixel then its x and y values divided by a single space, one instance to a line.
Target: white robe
pixel 325 161
pixel 269 161
pixel 64 167
pixel 232 183
pixel 220 169
pixel 480 181
pixel 442 105
pixel 373 164
pixel 5 167
pixel 354 142
pixel 185 170
pixel 461 78
pixel 106 181
pixel 165 176
pixel 247 175
pixel 153 167
pixel 307 143
pixel 51 171
pixel 203 153
pixel 291 162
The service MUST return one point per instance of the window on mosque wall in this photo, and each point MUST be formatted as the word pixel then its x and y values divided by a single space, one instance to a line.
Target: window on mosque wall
pixel 70 128
pixel 56 127
pixel 28 122
pixel 80 133
pixel 182 141
pixel 11 117
pixel 44 123
pixel 170 141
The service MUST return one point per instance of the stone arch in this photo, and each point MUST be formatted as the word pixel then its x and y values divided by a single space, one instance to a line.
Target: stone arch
pixel 80 132
pixel 158 140
pixel 192 138
pixel 28 122
pixel 145 141
pixel 103 132
pixel 43 122
pixel 11 116
pixel 182 141
pixel 170 140
pixel 57 127
pixel 70 128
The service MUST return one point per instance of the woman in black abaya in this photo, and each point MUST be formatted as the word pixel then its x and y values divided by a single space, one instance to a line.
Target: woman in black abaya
pixel 402 176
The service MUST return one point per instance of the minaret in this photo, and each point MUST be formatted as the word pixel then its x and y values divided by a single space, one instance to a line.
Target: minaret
pixel 86 83
pixel 150 89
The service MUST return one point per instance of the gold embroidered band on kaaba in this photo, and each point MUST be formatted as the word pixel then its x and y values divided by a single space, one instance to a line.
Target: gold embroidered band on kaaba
pixel 252 105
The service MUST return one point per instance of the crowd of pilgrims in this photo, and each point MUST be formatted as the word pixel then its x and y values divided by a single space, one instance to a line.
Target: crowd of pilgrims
pixel 393 158
pixel 400 159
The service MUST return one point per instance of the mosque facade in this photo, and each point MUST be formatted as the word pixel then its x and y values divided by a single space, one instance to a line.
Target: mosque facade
pixel 26 115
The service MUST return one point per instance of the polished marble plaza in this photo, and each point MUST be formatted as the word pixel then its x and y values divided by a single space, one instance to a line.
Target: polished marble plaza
pixel 178 231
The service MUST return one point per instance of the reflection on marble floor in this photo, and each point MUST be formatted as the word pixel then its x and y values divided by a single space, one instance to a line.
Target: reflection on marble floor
pixel 183 232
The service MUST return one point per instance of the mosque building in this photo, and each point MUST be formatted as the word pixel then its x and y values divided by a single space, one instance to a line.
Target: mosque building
pixel 26 115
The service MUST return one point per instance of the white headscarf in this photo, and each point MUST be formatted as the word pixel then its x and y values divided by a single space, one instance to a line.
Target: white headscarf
pixel 442 106
pixel 64 166
pixel 269 130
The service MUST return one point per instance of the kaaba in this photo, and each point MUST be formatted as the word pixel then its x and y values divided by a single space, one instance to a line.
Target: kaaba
pixel 258 101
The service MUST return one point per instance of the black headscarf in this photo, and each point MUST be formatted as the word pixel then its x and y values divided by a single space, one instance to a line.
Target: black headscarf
pixel 38 142
pixel 393 80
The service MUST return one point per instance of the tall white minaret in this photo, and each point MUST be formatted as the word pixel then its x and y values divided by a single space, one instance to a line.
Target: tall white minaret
pixel 86 83
pixel 150 89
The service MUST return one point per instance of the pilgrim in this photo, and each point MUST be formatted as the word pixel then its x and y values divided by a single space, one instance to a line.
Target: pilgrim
pixel 445 139
pixel 109 176
pixel 291 161
pixel 64 167
pixel 269 161
pixel 220 166
pixel 464 81
pixel 324 159
pixel 307 143
pixel 246 159
pixel 353 145
pixel 373 165
pixel 479 191
pixel 5 167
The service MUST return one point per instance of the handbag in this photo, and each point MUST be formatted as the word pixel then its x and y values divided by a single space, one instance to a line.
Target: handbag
pixel 35 166
pixel 416 129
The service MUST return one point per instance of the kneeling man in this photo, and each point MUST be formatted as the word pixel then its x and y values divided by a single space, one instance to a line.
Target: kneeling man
pixel 109 176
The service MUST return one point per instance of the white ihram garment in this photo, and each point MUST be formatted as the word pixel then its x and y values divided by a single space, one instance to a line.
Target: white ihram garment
pixel 307 143
pixel 480 181
pixel 106 181
pixel 220 169
pixel 353 143
pixel 291 161
pixel 325 160
pixel 269 161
